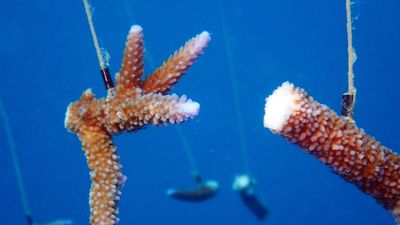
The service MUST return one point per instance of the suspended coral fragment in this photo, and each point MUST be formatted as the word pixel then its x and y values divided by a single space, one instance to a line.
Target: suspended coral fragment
pixel 337 142
pixel 131 105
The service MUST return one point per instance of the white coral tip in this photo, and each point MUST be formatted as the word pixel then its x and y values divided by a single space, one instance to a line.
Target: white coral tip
pixel 201 41
pixel 204 36
pixel 190 108
pixel 135 29
pixel 279 106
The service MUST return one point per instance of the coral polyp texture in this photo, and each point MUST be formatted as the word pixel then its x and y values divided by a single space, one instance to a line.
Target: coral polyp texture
pixel 337 142
pixel 131 105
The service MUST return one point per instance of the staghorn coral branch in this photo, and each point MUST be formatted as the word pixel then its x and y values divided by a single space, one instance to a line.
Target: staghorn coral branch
pixel 337 142
pixel 156 109
pixel 162 80
pixel 105 174
pixel 128 107
pixel 131 70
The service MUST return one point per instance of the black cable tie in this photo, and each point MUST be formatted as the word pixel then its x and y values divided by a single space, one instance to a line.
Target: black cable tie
pixel 108 82
pixel 348 105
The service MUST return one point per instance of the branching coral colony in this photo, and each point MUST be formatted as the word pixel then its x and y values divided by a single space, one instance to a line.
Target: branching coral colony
pixel 131 105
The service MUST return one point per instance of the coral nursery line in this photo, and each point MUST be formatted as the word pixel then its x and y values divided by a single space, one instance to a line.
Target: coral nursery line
pixel 337 142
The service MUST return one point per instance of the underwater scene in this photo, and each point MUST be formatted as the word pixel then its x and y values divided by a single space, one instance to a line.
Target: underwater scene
pixel 223 112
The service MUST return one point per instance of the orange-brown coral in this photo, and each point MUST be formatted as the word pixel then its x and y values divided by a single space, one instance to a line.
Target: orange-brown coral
pixel 131 105
pixel 337 142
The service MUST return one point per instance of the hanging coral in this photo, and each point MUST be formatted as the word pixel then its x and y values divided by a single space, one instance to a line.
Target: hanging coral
pixel 337 142
pixel 131 105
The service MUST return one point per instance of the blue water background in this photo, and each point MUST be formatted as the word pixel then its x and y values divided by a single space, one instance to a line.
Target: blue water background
pixel 47 60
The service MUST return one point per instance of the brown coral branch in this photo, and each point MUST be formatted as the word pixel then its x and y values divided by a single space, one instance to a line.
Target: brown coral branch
pixel 105 174
pixel 337 142
pixel 132 64
pixel 132 114
pixel 162 80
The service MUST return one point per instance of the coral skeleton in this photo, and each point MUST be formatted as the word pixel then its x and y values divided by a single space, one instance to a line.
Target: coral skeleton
pixel 337 142
pixel 132 104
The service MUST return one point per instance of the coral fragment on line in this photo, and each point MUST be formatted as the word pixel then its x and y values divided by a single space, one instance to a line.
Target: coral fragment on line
pixel 132 104
pixel 337 142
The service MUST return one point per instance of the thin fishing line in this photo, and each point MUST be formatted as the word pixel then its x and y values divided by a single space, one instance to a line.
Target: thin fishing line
pixel 88 10
pixel 15 162
pixel 232 73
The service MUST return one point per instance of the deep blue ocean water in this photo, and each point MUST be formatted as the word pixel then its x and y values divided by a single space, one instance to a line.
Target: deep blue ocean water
pixel 48 59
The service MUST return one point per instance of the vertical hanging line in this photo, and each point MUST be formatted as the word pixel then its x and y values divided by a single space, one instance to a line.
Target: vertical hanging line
pixel 15 162
pixel 105 73
pixel 350 49
pixel 348 98
pixel 189 155
pixel 129 12
pixel 185 144
pixel 238 112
